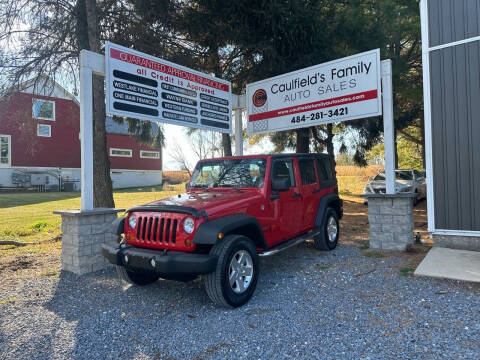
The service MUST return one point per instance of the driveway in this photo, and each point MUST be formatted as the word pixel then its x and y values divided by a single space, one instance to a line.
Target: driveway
pixel 308 304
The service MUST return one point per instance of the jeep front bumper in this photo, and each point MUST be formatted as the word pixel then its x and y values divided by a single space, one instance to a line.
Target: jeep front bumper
pixel 165 264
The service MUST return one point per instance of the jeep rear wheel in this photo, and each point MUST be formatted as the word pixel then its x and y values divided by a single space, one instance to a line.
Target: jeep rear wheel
pixel 235 278
pixel 328 238
pixel 135 278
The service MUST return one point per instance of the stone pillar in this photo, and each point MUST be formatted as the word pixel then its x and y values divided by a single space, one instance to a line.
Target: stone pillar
pixel 391 220
pixel 83 234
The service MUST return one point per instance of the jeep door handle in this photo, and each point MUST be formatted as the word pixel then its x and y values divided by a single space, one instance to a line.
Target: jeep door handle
pixel 315 191
pixel 297 195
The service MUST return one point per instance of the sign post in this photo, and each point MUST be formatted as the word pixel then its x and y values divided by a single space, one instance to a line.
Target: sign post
pixel 340 90
pixel 388 127
pixel 148 88
pixel 90 64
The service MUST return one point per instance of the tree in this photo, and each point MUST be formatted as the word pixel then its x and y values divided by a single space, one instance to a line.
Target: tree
pixel 394 27
pixel 409 152
pixel 203 145
pixel 44 38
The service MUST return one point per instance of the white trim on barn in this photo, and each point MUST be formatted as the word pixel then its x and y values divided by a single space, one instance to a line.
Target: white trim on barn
pixel 42 133
pixel 426 50
pixel 34 100
pixel 46 87
pixel 113 150
pixel 156 154
pixel 9 137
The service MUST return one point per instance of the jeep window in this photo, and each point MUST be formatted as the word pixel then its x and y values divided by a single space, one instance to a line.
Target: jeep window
pixel 282 169
pixel 244 173
pixel 323 171
pixel 307 171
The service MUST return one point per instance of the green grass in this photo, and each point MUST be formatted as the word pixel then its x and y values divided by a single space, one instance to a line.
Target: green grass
pixel 28 216
pixel 407 271
pixel 351 185
pixel 374 254
pixel 51 273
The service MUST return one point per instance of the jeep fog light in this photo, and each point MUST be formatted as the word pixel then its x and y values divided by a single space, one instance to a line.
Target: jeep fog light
pixel 125 258
pixel 188 225
pixel 152 262
pixel 132 221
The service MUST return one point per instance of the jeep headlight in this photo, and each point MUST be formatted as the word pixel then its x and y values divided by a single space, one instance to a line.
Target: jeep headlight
pixel 188 225
pixel 132 221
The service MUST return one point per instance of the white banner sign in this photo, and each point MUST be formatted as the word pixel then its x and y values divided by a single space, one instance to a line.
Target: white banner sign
pixel 340 90
pixel 148 88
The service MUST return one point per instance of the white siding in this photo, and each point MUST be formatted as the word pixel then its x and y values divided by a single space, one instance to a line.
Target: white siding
pixel 120 178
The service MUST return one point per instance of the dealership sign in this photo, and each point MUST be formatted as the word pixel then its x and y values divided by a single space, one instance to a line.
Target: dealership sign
pixel 340 90
pixel 148 88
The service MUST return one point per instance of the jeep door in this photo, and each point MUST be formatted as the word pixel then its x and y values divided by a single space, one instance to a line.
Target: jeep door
pixel 286 206
pixel 310 191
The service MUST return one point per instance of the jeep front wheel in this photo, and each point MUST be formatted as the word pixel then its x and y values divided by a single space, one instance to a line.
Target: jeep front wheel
pixel 235 278
pixel 135 278
pixel 327 239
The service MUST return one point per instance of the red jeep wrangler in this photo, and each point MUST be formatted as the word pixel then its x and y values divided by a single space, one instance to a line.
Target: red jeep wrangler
pixel 235 210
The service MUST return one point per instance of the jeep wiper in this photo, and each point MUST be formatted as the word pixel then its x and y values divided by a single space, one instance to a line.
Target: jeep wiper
pixel 201 186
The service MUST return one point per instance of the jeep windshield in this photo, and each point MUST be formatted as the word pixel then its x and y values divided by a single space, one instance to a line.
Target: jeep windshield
pixel 235 173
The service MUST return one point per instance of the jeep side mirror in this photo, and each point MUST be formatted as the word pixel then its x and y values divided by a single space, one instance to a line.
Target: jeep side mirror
pixel 281 184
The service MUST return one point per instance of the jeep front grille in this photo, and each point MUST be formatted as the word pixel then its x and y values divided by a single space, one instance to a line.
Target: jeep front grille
pixel 156 230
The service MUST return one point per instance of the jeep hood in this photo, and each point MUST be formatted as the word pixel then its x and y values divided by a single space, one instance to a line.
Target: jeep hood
pixel 212 201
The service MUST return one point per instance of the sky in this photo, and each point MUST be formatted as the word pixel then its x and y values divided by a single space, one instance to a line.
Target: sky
pixel 177 134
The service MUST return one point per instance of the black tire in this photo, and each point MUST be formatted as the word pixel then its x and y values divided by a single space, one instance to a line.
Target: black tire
pixel 135 278
pixel 415 199
pixel 322 241
pixel 217 284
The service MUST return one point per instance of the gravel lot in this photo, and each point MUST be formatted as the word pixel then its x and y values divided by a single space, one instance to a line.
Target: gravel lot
pixel 308 304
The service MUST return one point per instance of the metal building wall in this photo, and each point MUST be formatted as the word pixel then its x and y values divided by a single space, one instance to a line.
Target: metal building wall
pixel 455 113
pixel 453 20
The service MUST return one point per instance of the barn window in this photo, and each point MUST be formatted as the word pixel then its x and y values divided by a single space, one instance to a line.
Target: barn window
pixel 5 150
pixel 43 109
pixel 44 130
pixel 120 152
pixel 149 154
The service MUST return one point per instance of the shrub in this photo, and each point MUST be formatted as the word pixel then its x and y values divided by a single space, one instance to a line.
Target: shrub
pixel 40 225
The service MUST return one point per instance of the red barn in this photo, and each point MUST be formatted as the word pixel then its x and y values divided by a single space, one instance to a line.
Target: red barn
pixel 40 145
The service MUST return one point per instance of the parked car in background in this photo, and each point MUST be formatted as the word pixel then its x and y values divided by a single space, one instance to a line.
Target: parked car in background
pixel 406 181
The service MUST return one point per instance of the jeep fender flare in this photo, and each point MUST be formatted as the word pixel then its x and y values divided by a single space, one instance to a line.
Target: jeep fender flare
pixel 118 226
pixel 330 200
pixel 239 224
